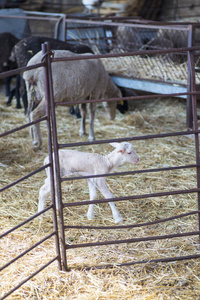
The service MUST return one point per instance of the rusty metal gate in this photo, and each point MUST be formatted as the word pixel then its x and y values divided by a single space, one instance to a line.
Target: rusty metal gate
pixel 54 232
pixel 66 246
pixel 53 145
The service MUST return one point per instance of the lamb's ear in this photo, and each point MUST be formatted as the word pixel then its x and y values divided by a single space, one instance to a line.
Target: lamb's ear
pixel 119 146
pixel 115 145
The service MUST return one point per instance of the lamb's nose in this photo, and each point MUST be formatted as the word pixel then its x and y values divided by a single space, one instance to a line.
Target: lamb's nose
pixel 137 160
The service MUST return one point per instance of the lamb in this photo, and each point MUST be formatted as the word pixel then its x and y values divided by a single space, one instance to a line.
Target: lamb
pixel 73 81
pixel 73 162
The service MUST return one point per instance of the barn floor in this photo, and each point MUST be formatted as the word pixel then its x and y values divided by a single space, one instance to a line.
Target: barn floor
pixel 176 280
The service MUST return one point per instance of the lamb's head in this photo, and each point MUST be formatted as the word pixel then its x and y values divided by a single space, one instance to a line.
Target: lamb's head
pixel 126 152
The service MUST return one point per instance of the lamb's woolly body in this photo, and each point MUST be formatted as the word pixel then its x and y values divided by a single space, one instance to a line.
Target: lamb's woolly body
pixel 73 162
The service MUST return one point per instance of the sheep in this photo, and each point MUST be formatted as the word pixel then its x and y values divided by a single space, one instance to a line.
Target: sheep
pixel 7 42
pixel 72 81
pixel 73 162
pixel 25 49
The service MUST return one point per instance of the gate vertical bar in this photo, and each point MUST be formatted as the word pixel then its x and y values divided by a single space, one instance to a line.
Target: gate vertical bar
pixel 49 135
pixel 195 126
pixel 56 157
pixel 189 97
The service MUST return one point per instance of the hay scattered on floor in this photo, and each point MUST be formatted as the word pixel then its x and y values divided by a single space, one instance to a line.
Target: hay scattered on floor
pixel 177 280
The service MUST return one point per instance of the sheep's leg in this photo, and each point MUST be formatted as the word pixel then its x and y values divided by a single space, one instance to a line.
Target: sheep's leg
pixel 24 94
pixel 10 97
pixel 107 194
pixel 37 113
pixel 82 131
pixel 17 91
pixel 43 193
pixel 92 115
pixel 7 81
pixel 93 196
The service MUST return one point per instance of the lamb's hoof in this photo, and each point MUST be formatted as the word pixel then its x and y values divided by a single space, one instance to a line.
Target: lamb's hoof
pixel 119 220
pixel 90 216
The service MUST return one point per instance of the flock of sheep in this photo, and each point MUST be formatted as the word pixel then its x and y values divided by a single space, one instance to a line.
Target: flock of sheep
pixel 73 81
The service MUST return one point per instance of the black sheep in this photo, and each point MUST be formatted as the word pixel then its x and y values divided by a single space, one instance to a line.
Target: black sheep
pixel 7 42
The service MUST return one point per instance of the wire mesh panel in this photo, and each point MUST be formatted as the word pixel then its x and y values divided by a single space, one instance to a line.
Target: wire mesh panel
pixel 127 37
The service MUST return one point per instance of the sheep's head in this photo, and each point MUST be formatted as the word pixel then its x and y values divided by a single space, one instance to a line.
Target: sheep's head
pixel 110 107
pixel 112 91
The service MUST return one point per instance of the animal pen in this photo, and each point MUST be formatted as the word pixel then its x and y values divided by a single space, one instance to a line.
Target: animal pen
pixel 174 75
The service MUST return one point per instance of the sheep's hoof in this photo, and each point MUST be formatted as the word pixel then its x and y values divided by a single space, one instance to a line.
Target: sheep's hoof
pixel 82 133
pixel 91 138
pixel 36 148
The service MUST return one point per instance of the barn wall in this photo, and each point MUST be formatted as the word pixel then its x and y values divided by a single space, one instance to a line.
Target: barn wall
pixel 179 9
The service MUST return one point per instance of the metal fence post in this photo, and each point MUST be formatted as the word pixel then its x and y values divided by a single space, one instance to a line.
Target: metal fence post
pixel 56 156
pixel 49 134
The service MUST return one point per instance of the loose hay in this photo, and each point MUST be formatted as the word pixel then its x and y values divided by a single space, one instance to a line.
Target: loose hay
pixel 177 280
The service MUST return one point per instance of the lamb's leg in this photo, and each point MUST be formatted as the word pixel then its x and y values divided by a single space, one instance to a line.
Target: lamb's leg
pixel 107 194
pixel 43 193
pixel 82 131
pixel 93 196
pixel 92 115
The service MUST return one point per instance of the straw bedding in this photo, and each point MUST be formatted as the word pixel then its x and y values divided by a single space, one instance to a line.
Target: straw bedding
pixel 177 280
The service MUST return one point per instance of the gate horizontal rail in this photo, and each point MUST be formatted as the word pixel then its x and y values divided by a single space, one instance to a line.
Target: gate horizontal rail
pixel 26 221
pixel 28 250
pixel 135 197
pixel 30 277
pixel 22 127
pixel 134 225
pixel 132 172
pixel 115 265
pixel 24 178
pixel 135 240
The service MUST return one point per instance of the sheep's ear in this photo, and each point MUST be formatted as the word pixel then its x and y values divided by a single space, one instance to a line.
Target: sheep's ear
pixel 115 145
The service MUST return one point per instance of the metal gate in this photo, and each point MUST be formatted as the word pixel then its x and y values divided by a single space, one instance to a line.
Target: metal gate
pixel 54 145
pixel 65 246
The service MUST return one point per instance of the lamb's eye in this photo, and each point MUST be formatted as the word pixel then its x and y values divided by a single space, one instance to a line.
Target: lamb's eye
pixel 129 152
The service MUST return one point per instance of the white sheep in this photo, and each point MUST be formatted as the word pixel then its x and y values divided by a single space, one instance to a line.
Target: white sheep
pixel 72 81
pixel 73 162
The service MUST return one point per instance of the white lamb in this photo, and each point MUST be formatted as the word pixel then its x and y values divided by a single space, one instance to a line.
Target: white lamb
pixel 73 162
